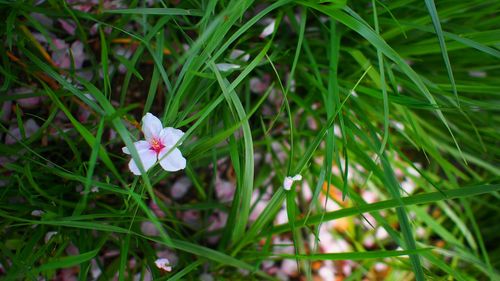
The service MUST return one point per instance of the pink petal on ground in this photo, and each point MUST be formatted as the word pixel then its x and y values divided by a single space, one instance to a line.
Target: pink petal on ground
pixel 369 196
pixel 180 187
pixel 68 26
pixel 281 217
pixel 78 54
pixel 218 220
pixel 305 189
pixel 67 274
pixel 72 250
pixel 327 273
pixel 156 209
pixel 149 229
pixel 224 190
pixel 60 53
pixel 289 267
pixel 83 114
pixel 369 241
pixel 258 85
pixel 30 127
pixel 59 44
pixel 42 19
pixel 5 111
pixel 113 4
pixel 95 270
pixel 168 254
pixel 192 218
pixel 257 210
pixel 29 103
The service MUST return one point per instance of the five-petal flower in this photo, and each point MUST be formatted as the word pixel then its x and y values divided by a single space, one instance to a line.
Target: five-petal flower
pixel 159 145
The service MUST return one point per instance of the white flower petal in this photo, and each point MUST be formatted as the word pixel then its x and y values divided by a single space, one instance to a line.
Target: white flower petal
pixel 173 161
pixel 268 30
pixel 148 159
pixel 151 126
pixel 287 183
pixel 139 146
pixel 239 54
pixel 170 136
pixel 163 264
pixel 226 66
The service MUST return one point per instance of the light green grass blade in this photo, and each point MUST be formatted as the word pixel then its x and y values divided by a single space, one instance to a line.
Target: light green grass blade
pixel 439 32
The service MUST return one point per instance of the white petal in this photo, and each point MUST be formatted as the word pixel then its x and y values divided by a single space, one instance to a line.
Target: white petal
pixel 268 30
pixel 173 161
pixel 287 183
pixel 139 146
pixel 163 264
pixel 170 136
pixel 239 54
pixel 297 177
pixel 226 66
pixel 151 126
pixel 148 159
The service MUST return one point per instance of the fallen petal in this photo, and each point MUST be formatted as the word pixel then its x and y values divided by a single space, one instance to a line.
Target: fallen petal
pixel 268 30
pixel 224 67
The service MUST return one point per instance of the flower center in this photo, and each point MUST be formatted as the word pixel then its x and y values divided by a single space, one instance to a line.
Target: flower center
pixel 156 145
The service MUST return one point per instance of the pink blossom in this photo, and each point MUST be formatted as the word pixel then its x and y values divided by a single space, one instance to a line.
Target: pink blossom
pixel 159 146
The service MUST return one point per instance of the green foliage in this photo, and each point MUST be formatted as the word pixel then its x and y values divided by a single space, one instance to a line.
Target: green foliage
pixel 360 97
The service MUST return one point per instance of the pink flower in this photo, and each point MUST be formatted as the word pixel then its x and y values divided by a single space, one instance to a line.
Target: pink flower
pixel 159 146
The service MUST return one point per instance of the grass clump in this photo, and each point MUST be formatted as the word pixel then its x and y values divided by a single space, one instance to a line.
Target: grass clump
pixel 388 111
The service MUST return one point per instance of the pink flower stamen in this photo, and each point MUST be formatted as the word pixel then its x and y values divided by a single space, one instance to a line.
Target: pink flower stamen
pixel 156 145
